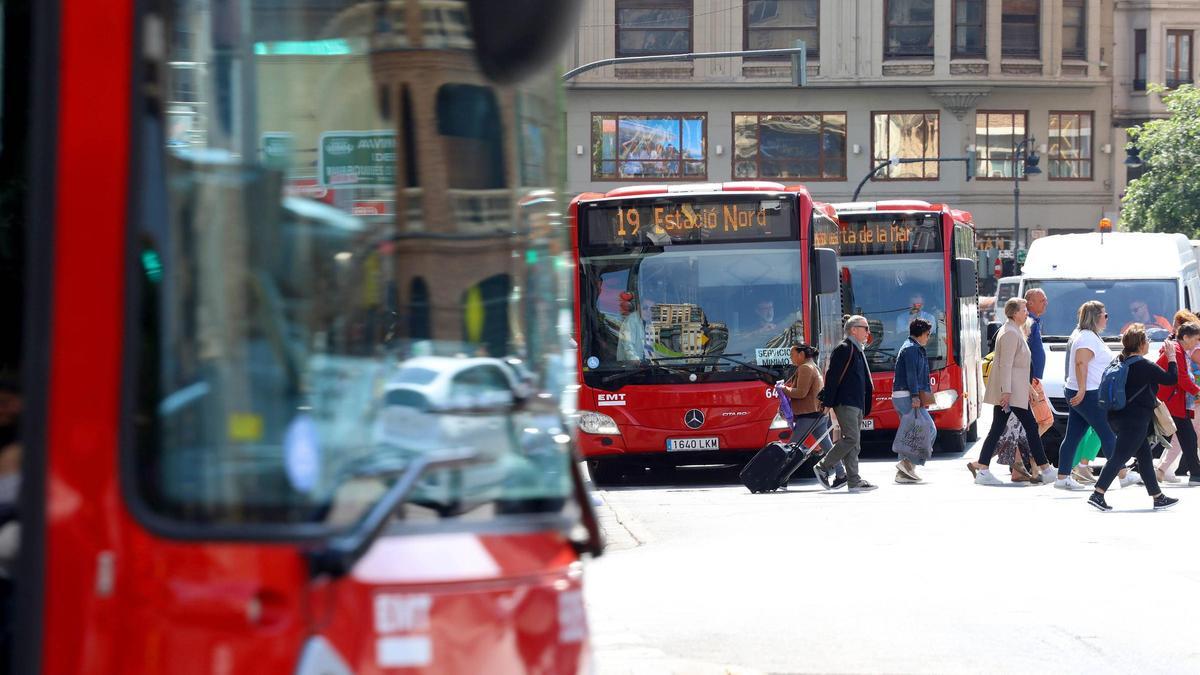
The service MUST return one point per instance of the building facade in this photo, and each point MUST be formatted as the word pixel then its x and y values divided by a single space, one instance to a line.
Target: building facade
pixel 886 78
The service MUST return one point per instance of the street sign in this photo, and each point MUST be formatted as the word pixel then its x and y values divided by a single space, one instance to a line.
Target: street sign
pixel 357 159
pixel 277 149
pixel 1021 256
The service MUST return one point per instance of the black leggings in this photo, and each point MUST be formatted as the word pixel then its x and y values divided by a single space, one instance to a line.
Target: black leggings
pixel 1132 433
pixel 1000 421
pixel 1187 440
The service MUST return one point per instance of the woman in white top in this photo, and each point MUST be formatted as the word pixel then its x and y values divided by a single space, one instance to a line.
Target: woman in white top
pixel 1087 357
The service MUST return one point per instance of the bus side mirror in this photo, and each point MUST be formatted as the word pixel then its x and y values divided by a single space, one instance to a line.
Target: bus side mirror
pixel 966 284
pixel 825 271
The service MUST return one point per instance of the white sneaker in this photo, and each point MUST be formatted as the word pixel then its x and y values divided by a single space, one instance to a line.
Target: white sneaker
pixel 1069 483
pixel 1131 478
pixel 985 477
pixel 1049 476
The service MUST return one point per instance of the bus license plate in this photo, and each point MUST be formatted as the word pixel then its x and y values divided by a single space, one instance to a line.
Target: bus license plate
pixel 677 444
pixel 867 425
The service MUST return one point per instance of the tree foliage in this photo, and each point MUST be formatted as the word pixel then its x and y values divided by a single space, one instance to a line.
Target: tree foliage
pixel 1167 197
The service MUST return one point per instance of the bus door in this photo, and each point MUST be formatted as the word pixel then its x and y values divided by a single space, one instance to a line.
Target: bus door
pixel 279 415
pixel 967 335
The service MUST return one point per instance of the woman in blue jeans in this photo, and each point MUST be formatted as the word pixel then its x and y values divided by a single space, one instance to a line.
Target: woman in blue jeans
pixel 1087 357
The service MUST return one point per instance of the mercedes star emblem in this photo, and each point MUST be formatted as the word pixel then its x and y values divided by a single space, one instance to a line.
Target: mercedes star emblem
pixel 694 419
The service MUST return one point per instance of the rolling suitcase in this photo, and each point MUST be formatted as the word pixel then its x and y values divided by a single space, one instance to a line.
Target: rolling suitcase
pixel 772 466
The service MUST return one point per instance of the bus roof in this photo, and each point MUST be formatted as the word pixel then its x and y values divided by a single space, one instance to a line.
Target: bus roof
pixel 1122 255
pixel 903 205
pixel 675 189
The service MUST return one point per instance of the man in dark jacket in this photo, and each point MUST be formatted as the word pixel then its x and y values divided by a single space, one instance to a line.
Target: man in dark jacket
pixel 849 392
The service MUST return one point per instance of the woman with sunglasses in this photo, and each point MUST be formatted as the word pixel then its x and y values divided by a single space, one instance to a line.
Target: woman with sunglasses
pixel 1087 357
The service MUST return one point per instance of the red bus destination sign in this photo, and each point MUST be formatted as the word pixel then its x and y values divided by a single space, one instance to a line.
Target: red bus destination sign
pixel 881 234
pixel 687 222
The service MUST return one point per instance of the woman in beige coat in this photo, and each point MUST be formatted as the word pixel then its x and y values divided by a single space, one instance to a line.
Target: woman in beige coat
pixel 1008 389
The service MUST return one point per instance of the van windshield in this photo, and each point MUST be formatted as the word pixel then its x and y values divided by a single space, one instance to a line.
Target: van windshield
pixel 1150 301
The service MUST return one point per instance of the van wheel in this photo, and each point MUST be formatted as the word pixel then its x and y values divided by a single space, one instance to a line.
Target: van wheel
pixel 951 442
pixel 972 433
pixel 603 473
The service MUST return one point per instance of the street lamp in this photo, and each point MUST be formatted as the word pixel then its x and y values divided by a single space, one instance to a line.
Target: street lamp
pixel 1030 161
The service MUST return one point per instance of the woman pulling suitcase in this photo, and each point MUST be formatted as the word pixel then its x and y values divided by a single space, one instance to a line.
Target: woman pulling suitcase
pixel 802 388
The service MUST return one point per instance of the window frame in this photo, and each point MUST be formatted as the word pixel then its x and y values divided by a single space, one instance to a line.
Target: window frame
pixel 1141 59
pixel 703 116
pixel 746 28
pixel 618 5
pixel 1076 53
pixel 1036 52
pixel 955 53
pixel 1179 33
pixel 758 175
pixel 979 160
pixel 924 178
pixel 887 25
pixel 1091 149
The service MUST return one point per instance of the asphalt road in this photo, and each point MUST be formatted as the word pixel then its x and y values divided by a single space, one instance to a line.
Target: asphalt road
pixel 944 577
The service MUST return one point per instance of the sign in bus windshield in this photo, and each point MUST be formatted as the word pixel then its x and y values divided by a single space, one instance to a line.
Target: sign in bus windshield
pixel 662 222
pixel 882 233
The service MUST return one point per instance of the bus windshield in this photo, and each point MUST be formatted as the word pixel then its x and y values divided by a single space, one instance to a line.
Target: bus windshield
pixel 1151 301
pixel 689 306
pixel 891 291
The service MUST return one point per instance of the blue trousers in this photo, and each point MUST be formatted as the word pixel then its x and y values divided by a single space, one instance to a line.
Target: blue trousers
pixel 1087 414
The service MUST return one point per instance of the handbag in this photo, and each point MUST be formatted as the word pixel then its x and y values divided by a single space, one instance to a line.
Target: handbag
pixel 1039 405
pixel 1163 424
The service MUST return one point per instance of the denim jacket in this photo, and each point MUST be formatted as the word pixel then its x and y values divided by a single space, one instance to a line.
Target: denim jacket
pixel 912 368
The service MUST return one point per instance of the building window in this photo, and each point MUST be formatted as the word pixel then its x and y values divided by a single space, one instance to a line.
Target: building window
pixel 650 27
pixel 1074 29
pixel 970 35
pixel 997 135
pixel 1179 57
pixel 1069 153
pixel 1139 60
pixel 777 24
pixel 654 145
pixel 1020 28
pixel 790 145
pixel 906 135
pixel 908 29
pixel 468 121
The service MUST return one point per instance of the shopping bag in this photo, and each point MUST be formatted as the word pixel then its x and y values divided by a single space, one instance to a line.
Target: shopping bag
pixel 1040 406
pixel 1088 447
pixel 1163 424
pixel 1012 440
pixel 914 438
pixel 785 405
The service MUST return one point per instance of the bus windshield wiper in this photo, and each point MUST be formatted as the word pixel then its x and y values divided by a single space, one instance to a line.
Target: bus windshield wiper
pixel 768 376
pixel 641 369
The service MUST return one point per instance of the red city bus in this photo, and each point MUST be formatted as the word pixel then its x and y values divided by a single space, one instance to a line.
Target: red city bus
pixel 904 259
pixel 688 300
pixel 260 433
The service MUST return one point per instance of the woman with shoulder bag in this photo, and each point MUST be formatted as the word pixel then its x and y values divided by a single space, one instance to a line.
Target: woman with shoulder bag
pixel 1087 357
pixel 1008 389
pixel 1174 394
pixel 802 388
pixel 1134 422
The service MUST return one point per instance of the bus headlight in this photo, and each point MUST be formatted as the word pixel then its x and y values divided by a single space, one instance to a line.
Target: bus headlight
pixel 780 422
pixel 943 400
pixel 597 423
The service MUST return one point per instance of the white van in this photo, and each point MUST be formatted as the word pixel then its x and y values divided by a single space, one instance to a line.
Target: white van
pixel 1124 270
